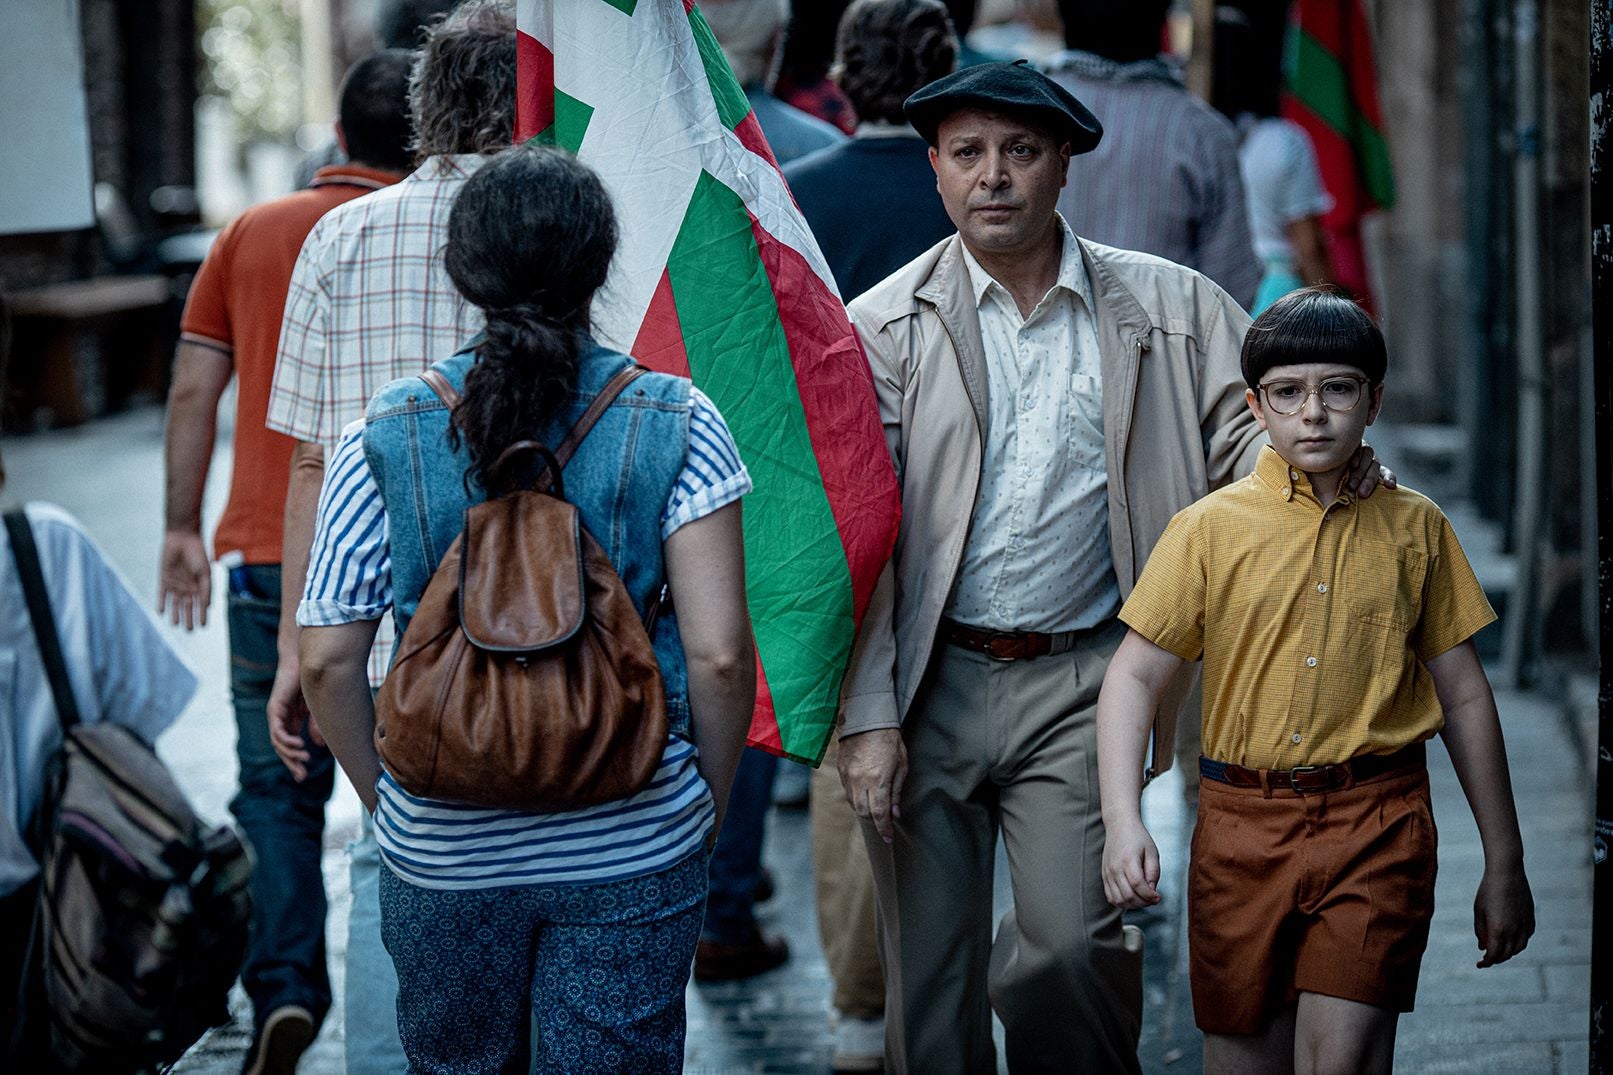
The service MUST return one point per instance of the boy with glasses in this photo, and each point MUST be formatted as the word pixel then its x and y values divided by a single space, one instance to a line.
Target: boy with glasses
pixel 1336 635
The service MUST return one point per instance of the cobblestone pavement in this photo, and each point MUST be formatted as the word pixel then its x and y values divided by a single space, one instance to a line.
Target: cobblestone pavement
pixel 1529 1016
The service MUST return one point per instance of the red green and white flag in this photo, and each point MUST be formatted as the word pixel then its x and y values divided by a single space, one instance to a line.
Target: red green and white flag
pixel 1330 87
pixel 717 277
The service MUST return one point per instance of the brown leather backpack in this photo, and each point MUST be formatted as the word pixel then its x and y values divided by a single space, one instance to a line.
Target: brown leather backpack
pixel 526 679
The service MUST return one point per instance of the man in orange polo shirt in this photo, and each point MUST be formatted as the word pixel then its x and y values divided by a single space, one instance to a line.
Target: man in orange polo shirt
pixel 231 326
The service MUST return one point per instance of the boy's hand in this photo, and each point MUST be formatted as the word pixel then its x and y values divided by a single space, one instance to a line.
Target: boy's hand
pixel 1130 867
pixel 1503 915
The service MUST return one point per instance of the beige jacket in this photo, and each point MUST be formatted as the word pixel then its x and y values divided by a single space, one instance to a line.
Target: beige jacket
pixel 1175 427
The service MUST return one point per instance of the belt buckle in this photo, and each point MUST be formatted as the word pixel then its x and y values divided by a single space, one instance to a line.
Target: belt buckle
pixel 1294 773
pixel 1004 654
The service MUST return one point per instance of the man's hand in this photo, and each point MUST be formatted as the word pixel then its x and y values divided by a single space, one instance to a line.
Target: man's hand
pixel 1130 866
pixel 873 766
pixel 1366 474
pixel 289 716
pixel 184 579
pixel 1503 915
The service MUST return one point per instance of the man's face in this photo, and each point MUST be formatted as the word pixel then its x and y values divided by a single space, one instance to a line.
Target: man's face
pixel 999 178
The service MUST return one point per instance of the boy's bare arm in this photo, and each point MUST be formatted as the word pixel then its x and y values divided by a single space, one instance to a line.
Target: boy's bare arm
pixel 1503 910
pixel 1132 687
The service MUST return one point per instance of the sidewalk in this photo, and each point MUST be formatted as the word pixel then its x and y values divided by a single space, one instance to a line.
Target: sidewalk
pixel 1529 1016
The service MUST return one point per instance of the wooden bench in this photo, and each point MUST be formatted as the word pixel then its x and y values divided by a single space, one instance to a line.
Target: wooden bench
pixel 81 347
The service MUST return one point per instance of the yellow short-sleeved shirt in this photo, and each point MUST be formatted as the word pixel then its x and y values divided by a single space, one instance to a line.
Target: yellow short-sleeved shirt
pixel 1314 624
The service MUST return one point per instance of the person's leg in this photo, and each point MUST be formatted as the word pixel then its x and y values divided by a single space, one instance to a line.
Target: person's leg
pixel 1334 1036
pixel 1270 1052
pixel 464 967
pixel 733 946
pixel 612 964
pixel 1063 979
pixel 284 819
pixel 934 882
pixel 844 885
pixel 371 992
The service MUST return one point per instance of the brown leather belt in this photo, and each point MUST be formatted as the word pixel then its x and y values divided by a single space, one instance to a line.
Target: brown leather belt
pixel 1309 778
pixel 1008 645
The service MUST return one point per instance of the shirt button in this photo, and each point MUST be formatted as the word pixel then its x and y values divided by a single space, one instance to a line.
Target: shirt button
pixel 1310 662
pixel 1293 475
pixel 1295 737
pixel 1321 587
pixel 1285 492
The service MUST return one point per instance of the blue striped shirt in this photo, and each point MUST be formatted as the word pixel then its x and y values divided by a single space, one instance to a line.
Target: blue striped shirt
pixel 449 845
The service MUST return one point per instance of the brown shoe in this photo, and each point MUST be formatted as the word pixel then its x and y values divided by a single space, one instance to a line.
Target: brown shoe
pixel 716 961
pixel 286 1033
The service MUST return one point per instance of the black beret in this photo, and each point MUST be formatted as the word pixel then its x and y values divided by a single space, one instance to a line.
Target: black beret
pixel 1004 87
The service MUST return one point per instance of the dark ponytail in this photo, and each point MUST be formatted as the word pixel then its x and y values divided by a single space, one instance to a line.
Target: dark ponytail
pixel 530 240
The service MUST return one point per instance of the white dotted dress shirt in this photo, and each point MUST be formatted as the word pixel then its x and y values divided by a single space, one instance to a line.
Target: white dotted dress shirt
pixel 1037 557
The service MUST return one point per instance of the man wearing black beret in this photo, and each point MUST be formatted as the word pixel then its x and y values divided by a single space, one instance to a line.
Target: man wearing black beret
pixel 1049 403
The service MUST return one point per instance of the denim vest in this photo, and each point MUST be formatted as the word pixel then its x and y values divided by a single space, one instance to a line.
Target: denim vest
pixel 620 480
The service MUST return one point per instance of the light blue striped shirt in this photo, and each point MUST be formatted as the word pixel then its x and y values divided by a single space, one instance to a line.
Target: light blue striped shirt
pixel 448 845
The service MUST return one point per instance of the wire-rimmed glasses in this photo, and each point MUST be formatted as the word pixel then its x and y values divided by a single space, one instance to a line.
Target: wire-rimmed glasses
pixel 1337 394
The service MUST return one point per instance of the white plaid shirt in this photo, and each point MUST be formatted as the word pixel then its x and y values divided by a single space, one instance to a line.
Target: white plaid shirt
pixel 370 301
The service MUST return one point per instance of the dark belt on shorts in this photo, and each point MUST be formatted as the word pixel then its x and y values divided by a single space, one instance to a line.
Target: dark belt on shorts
pixel 1316 777
pixel 1008 645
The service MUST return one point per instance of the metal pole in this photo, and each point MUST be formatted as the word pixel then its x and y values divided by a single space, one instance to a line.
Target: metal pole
pixel 1601 106
pixel 1518 629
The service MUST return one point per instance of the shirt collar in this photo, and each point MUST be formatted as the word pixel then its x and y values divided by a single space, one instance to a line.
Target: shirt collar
pixel 353 175
pixel 1072 275
pixel 447 166
pixel 1289 482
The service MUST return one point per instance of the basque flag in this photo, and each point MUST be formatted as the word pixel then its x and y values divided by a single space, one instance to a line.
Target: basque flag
pixel 718 278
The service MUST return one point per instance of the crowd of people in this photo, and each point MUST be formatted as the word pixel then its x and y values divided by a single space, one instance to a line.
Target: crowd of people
pixel 1108 472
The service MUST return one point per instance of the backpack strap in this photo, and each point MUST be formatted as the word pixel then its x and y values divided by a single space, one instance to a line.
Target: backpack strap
pixel 607 395
pixel 442 386
pixel 26 553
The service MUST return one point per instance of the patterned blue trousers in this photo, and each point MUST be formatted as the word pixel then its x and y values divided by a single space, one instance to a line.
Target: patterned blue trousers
pixel 604 968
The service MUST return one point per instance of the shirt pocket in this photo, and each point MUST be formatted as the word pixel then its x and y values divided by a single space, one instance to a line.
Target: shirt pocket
pixel 1387 585
pixel 1085 422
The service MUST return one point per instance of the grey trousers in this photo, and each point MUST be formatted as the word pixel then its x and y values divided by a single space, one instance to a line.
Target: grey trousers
pixel 1009 747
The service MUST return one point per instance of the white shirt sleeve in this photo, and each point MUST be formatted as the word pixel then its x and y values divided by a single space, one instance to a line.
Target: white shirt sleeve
pixel 350 564
pixel 713 475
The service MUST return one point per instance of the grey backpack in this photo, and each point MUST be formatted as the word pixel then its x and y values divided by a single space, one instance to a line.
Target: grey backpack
pixel 140 926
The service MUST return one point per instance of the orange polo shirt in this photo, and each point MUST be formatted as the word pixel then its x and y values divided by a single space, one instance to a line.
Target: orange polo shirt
pixel 1314 623
pixel 235 306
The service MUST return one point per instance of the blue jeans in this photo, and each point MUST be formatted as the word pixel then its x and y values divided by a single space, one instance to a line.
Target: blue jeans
pixel 736 860
pixel 283 819
pixel 602 968
pixel 371 994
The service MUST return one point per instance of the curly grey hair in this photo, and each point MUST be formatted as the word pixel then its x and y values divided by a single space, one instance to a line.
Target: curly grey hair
pixel 462 91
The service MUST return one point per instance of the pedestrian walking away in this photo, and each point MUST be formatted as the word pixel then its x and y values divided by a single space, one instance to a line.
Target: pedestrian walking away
pixel 1165 179
pixel 1016 365
pixel 495 917
pixel 370 301
pixel 230 329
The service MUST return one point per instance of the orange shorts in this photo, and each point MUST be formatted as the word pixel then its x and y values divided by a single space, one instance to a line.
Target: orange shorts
pixel 1324 892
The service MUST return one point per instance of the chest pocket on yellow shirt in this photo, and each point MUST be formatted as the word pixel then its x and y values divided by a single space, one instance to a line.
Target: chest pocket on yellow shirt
pixel 1387 584
pixel 1086 421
